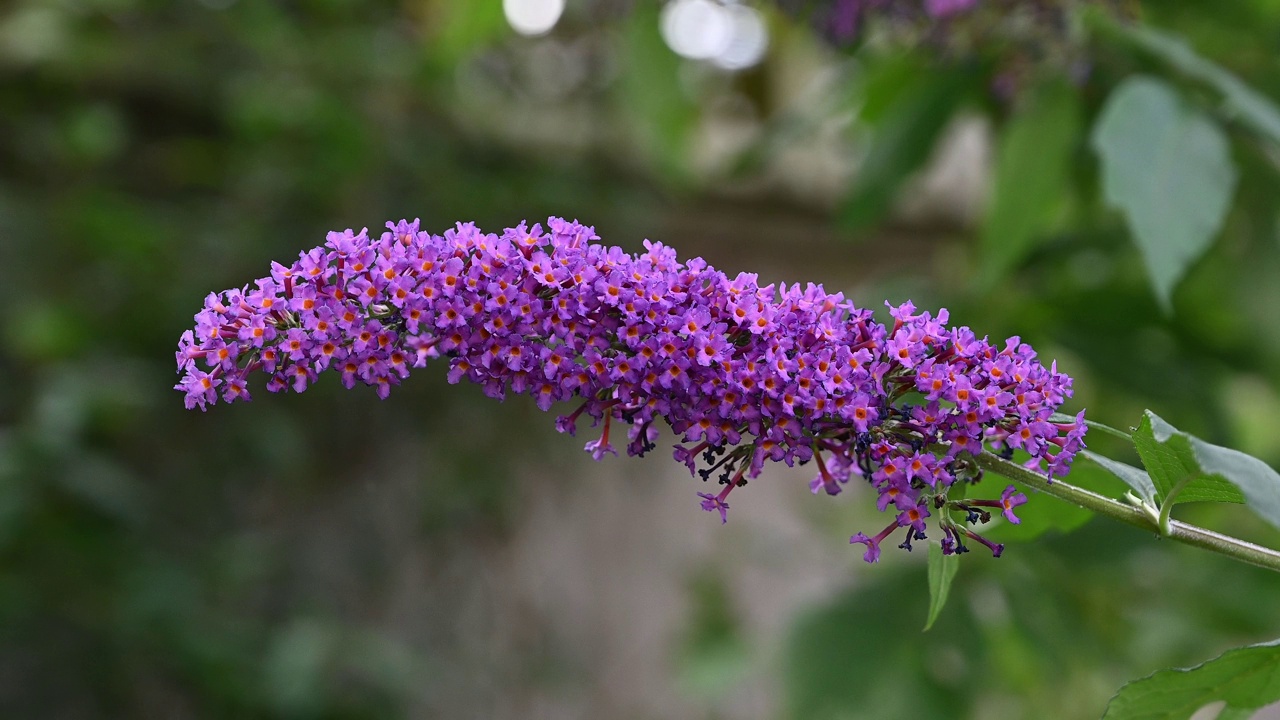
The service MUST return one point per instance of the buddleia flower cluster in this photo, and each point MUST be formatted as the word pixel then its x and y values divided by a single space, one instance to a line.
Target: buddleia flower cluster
pixel 743 373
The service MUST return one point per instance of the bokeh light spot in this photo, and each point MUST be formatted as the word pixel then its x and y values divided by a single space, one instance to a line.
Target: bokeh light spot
pixel 533 17
pixel 696 29
pixel 748 39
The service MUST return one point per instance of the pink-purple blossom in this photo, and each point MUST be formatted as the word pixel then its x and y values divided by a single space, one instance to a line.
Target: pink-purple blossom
pixel 743 373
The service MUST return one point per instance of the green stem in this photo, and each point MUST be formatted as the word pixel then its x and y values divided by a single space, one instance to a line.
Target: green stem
pixel 1093 425
pixel 1108 430
pixel 1166 507
pixel 1116 510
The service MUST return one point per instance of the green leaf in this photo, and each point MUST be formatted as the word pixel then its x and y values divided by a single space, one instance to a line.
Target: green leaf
pixel 1241 102
pixel 1168 167
pixel 880 81
pixel 905 134
pixel 1137 479
pixel 1215 471
pixel 942 570
pixel 1174 463
pixel 1031 175
pixel 1246 678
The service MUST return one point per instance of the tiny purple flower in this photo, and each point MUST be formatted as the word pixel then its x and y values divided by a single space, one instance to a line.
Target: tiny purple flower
pixel 1010 499
pixel 913 517
pixel 712 503
pixel 873 543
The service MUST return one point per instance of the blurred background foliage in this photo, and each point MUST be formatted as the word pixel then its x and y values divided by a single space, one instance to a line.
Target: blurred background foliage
pixel 330 555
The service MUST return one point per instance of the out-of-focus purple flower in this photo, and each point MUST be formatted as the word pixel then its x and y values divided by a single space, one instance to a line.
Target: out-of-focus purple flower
pixel 742 373
pixel 943 8
pixel 843 21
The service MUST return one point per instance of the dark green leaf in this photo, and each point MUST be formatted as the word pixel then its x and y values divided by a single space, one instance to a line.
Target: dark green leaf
pixel 880 82
pixel 1168 167
pixel 1246 678
pixel 1173 460
pixel 903 140
pixel 942 570
pixel 1031 175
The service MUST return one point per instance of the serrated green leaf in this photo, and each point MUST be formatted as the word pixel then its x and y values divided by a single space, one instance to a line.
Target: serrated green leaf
pixel 1168 168
pixel 1245 678
pixel 1172 462
pixel 1031 174
pixel 1137 479
pixel 942 570
pixel 904 136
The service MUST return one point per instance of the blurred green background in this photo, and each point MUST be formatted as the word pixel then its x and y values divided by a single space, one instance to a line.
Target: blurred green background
pixel 328 555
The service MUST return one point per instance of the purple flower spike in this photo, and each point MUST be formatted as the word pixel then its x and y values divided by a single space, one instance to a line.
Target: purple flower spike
pixel 742 373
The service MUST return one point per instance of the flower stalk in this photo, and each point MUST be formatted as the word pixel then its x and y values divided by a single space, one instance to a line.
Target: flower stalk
pixel 1185 533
